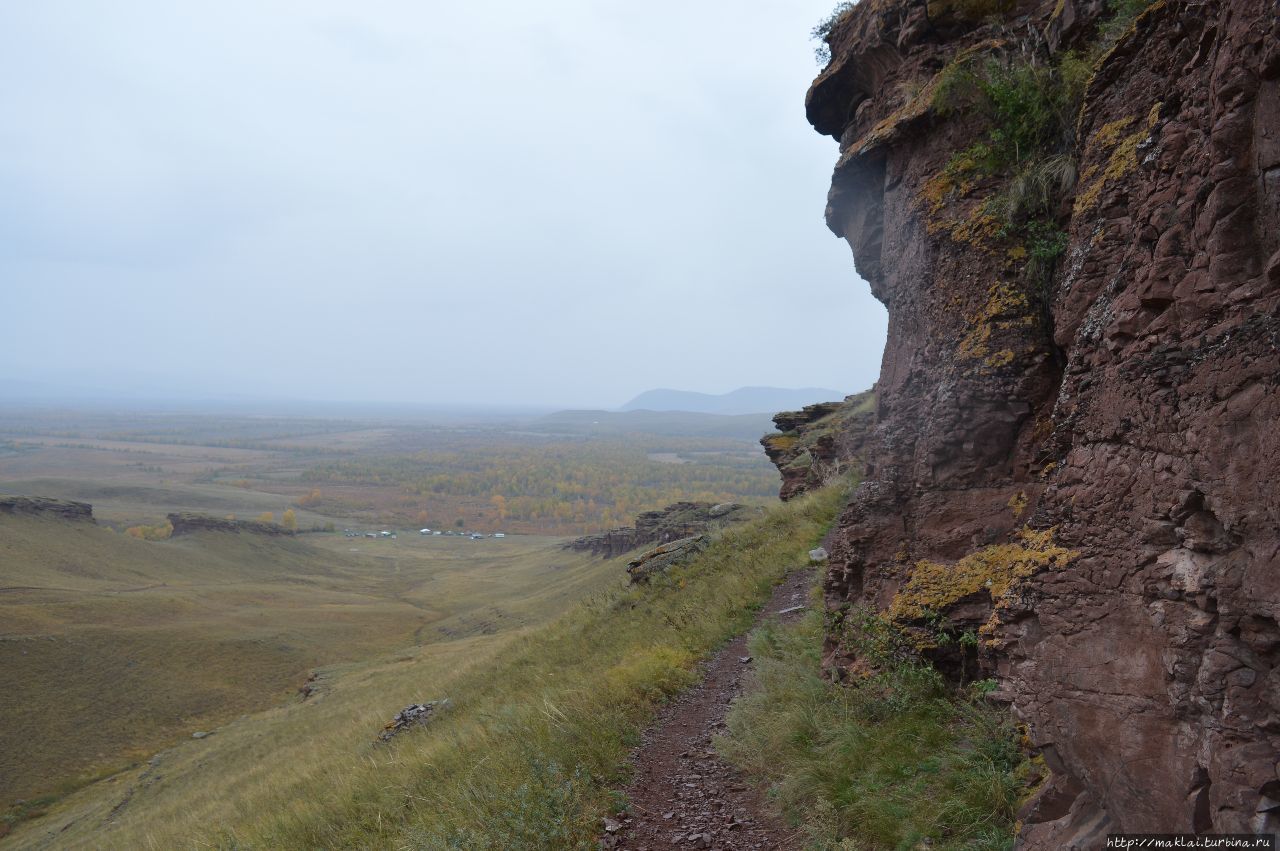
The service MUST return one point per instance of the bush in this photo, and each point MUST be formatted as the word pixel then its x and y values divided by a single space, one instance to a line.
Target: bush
pixel 821 32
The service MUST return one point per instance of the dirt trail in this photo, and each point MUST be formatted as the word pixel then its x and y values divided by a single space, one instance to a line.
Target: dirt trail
pixel 685 796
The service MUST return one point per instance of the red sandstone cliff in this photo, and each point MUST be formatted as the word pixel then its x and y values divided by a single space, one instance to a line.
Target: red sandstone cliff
pixel 819 443
pixel 1076 443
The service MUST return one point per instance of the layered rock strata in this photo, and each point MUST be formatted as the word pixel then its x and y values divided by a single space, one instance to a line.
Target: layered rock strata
pixel 819 443
pixel 1076 460
pixel 40 506
pixel 678 520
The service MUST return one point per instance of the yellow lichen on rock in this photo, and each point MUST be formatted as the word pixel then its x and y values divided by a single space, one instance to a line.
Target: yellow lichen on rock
pixel 1123 159
pixel 933 587
pixel 782 442
pixel 1006 308
pixel 1018 503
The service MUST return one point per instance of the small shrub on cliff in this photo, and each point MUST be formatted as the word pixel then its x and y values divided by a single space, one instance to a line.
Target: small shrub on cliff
pixel 821 32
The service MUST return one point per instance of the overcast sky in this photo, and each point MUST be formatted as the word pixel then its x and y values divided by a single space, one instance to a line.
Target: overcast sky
pixel 559 203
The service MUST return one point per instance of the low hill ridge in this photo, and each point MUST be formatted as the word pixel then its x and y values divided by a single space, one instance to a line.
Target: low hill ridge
pixel 744 400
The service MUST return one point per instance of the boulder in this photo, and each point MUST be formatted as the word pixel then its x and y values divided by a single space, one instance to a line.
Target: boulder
pixel 662 558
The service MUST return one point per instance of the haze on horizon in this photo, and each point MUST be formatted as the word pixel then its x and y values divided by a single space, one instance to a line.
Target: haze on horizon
pixel 559 204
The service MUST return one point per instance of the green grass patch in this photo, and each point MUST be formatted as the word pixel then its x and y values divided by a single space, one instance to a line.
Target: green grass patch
pixel 893 760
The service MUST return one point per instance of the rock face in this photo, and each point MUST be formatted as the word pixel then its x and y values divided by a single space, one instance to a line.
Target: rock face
pixel 678 520
pixel 1077 459
pixel 661 558
pixel 413 715
pixel 186 523
pixel 40 506
pixel 815 445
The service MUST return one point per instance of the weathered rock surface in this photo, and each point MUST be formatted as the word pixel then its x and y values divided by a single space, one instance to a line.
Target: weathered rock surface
pixel 186 523
pixel 40 506
pixel 665 556
pixel 1125 414
pixel 678 520
pixel 815 445
pixel 413 715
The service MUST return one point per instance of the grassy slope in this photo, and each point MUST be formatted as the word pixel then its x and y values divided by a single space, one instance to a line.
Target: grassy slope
pixel 113 647
pixel 542 721
pixel 894 760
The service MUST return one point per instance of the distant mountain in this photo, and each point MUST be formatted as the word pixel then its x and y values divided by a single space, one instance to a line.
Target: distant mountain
pixel 744 400
pixel 668 423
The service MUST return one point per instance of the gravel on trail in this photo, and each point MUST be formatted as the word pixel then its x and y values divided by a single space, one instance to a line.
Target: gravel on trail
pixel 683 795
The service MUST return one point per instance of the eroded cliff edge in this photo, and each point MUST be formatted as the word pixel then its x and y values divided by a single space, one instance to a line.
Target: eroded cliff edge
pixel 1075 446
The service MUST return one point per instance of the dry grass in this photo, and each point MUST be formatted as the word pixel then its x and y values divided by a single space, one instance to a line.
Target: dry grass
pixel 542 721
pixel 112 647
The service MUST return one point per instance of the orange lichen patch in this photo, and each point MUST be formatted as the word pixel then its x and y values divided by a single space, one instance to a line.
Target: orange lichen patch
pixel 1006 308
pixel 1018 503
pixel 1123 159
pixel 934 587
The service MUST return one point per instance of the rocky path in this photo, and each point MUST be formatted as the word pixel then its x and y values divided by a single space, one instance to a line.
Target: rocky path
pixel 683 795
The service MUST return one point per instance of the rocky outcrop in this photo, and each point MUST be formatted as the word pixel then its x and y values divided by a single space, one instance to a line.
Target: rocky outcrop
pixel 413 715
pixel 1075 445
pixel 40 506
pixel 678 520
pixel 662 558
pixel 187 523
pixel 819 443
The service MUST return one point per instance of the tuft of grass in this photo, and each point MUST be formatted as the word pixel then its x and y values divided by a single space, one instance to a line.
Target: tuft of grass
pixel 893 760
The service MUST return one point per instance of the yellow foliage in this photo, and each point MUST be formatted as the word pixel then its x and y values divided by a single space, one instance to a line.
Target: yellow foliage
pixel 266 517
pixel 1018 502
pixel 289 520
pixel 933 587
pixel 150 533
